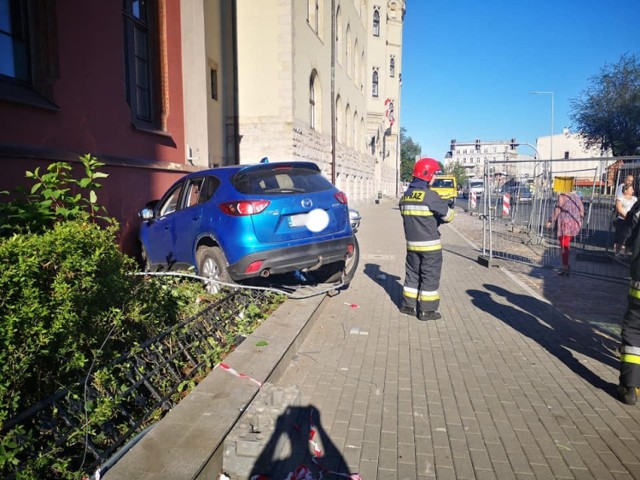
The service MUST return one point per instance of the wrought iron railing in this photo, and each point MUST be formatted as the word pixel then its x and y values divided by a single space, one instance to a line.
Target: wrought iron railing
pixel 84 425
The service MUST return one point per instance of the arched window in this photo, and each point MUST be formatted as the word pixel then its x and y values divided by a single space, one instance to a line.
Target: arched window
pixel 314 15
pixel 392 66
pixel 313 98
pixel 374 83
pixel 348 53
pixel 355 128
pixel 356 66
pixel 376 23
pixel 348 128
pixel 362 71
pixel 339 121
pixel 339 34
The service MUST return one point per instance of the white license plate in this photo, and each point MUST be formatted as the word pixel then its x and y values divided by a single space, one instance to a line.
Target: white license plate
pixel 299 220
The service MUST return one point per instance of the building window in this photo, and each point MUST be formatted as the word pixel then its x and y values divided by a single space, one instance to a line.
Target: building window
pixel 392 66
pixel 376 22
pixel 14 40
pixel 315 102
pixel 374 83
pixel 348 51
pixel 313 14
pixel 339 34
pixel 28 51
pixel 141 62
pixel 566 155
pixel 214 84
pixel 312 102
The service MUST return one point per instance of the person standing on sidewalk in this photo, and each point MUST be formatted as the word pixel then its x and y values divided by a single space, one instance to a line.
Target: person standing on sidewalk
pixel 624 202
pixel 629 386
pixel 628 180
pixel 422 212
pixel 568 214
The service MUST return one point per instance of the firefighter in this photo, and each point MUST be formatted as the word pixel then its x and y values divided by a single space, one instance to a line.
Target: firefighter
pixel 422 212
pixel 629 387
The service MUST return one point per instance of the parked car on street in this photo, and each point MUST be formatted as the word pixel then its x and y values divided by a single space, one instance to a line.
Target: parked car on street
pixel 520 194
pixel 247 221
pixel 354 219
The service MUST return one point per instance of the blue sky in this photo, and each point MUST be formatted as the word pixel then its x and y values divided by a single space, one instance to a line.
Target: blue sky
pixel 468 65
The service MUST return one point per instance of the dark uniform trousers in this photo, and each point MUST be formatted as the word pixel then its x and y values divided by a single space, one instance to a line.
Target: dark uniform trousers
pixel 422 280
pixel 630 335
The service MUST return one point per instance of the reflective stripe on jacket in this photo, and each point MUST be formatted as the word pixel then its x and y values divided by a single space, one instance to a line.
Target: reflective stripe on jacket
pixel 422 212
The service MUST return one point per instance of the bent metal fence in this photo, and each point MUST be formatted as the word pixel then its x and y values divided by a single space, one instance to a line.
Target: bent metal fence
pixel 520 197
pixel 80 427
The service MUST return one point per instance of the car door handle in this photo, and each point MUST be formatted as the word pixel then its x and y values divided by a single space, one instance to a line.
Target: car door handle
pixel 196 218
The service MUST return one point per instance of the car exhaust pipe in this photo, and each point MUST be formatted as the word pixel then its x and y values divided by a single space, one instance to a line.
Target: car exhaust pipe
pixel 265 273
pixel 316 266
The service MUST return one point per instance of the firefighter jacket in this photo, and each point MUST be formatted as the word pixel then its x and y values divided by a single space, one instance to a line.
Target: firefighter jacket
pixel 422 212
pixel 630 334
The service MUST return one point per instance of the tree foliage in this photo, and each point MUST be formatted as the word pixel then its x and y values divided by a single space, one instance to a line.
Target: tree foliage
pixel 457 170
pixel 409 150
pixel 607 113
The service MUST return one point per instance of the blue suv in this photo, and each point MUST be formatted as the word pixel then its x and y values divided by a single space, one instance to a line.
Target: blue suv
pixel 250 221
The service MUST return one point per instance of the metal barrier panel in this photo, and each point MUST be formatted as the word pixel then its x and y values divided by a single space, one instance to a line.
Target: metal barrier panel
pixel 521 196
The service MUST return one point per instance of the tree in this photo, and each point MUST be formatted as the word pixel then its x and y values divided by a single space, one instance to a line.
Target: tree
pixel 457 170
pixel 607 113
pixel 409 150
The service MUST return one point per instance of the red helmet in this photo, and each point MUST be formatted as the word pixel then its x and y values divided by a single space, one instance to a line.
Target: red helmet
pixel 426 168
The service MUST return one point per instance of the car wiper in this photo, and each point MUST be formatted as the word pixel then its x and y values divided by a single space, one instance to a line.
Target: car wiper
pixel 285 190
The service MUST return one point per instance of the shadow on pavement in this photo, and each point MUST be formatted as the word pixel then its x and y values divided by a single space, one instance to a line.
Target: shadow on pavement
pixel 551 330
pixel 392 284
pixel 307 449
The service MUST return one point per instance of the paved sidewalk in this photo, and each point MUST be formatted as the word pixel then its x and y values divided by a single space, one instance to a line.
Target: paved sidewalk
pixel 506 385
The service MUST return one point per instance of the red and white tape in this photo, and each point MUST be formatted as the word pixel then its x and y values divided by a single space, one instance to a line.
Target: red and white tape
pixel 227 368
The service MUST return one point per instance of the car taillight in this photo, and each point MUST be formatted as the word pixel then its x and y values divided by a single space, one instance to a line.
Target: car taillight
pixel 253 267
pixel 342 197
pixel 244 207
pixel 350 249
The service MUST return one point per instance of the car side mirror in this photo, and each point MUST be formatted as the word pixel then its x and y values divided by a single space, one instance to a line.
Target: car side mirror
pixel 146 213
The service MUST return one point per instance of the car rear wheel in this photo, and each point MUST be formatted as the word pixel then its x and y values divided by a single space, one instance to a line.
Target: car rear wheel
pixel 212 264
pixel 344 269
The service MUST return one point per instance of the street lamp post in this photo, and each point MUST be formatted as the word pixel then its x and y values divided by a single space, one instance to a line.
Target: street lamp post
pixel 550 138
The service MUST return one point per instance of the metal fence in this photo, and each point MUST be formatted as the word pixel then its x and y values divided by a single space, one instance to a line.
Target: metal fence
pixel 519 198
pixel 136 389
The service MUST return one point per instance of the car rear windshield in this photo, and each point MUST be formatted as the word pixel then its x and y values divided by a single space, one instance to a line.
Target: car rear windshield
pixel 443 183
pixel 280 180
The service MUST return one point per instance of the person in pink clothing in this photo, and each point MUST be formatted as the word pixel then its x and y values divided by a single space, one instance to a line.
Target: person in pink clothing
pixel 567 214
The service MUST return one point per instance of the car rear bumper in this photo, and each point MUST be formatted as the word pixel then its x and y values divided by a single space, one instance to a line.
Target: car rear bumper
pixel 289 259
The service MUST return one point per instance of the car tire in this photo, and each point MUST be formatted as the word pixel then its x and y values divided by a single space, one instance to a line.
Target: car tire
pixel 212 264
pixel 344 269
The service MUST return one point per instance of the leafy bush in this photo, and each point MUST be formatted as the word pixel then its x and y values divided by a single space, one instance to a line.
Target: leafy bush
pixel 64 292
pixel 55 196
pixel 69 303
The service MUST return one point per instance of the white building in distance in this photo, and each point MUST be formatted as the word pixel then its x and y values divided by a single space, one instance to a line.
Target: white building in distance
pixel 571 157
pixel 502 155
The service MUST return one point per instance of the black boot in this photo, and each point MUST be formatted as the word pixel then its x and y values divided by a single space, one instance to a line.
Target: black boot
pixel 424 316
pixel 408 310
pixel 628 395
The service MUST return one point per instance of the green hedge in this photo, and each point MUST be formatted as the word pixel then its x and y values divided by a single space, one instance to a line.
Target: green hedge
pixel 63 293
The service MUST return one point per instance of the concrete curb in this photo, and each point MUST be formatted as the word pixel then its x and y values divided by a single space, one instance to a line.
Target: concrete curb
pixel 188 442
